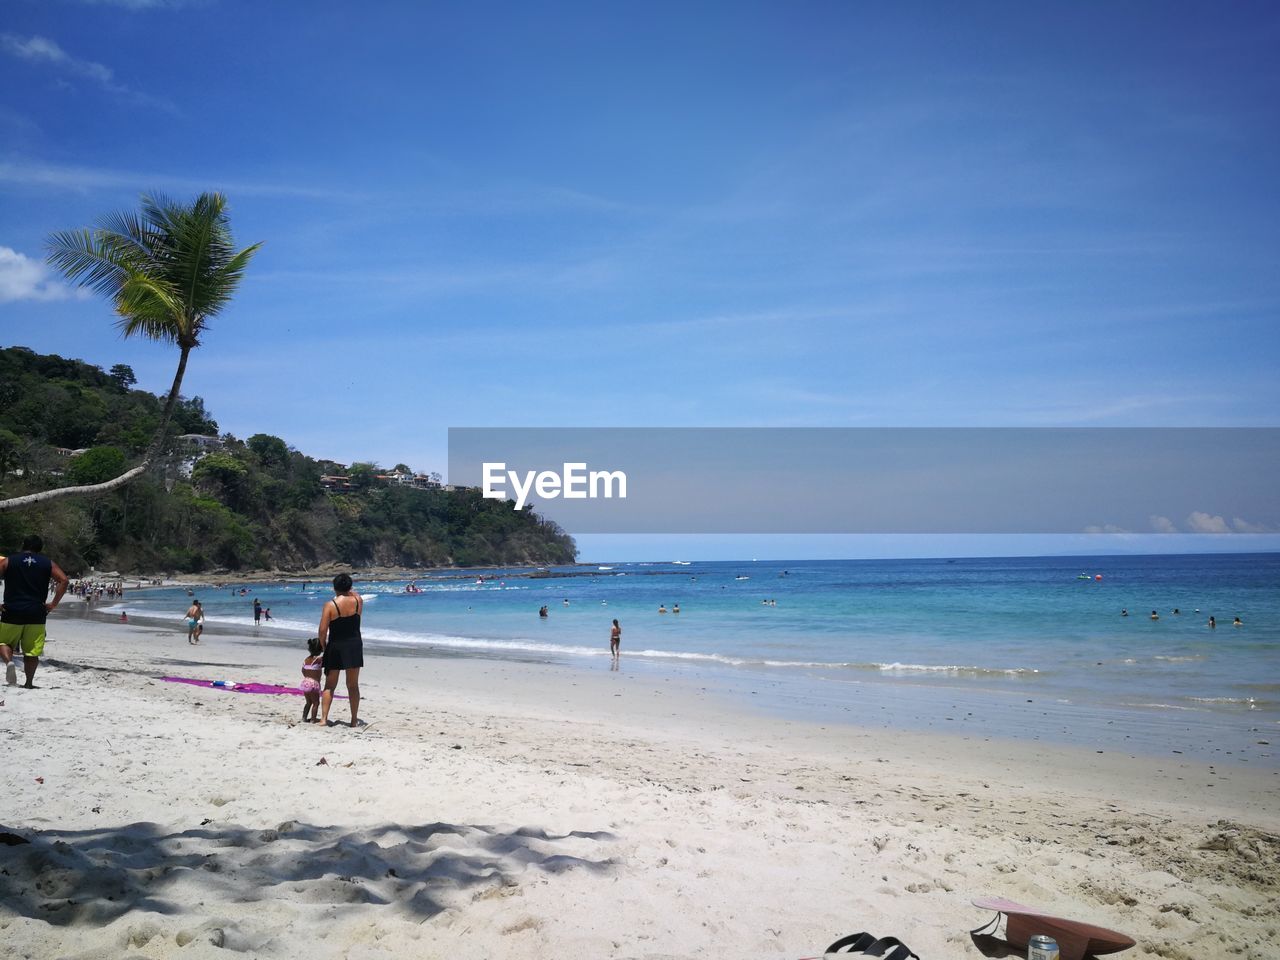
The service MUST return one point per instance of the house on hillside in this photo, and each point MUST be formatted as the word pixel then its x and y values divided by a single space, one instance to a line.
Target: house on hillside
pixel 201 441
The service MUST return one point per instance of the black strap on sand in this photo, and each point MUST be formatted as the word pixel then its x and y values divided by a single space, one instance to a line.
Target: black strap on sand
pixel 989 928
pixel 866 944
pixel 853 943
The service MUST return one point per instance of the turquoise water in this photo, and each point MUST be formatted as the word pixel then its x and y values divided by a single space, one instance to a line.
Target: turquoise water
pixel 981 630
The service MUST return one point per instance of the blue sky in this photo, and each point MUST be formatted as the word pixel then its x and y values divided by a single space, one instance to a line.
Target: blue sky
pixel 822 214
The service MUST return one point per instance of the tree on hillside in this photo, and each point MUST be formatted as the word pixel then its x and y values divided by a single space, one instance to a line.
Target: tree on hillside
pixel 96 465
pixel 361 475
pixel 10 450
pixel 123 376
pixel 168 269
pixel 270 451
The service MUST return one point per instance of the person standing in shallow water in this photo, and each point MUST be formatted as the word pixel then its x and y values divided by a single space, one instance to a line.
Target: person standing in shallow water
pixel 615 639
pixel 343 648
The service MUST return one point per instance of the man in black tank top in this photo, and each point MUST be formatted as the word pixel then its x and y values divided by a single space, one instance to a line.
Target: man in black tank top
pixel 26 577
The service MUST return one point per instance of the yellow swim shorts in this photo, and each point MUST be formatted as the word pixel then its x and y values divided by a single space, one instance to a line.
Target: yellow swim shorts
pixel 27 637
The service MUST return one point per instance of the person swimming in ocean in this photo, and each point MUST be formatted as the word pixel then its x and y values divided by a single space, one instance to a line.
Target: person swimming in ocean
pixel 1154 615
pixel 1237 622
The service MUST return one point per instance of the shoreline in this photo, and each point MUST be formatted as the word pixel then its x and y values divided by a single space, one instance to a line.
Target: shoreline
pixel 680 705
pixel 509 809
pixel 326 572
pixel 884 700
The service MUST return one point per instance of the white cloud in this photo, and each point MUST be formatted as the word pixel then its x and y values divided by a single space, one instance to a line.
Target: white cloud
pixel 1244 526
pixel 1162 525
pixel 1104 528
pixel 42 50
pixel 22 278
pixel 96 178
pixel 1206 523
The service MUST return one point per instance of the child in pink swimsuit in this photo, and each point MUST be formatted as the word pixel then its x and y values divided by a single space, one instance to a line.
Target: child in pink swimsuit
pixel 311 681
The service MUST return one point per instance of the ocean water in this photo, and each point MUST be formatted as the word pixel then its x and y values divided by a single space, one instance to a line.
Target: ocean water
pixel 836 638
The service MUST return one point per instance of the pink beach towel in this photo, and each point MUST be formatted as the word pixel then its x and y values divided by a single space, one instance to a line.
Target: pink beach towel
pixel 241 687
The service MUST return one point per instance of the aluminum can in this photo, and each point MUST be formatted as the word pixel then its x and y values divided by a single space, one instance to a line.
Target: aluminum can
pixel 1041 947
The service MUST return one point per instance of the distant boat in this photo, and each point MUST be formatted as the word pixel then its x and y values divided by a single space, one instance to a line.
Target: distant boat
pixel 681 563
pixel 604 568
pixel 742 578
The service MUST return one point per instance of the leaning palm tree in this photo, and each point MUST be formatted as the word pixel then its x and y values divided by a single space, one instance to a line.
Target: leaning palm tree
pixel 168 268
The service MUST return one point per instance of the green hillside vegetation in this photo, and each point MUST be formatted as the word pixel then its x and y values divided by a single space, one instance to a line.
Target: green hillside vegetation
pixel 253 504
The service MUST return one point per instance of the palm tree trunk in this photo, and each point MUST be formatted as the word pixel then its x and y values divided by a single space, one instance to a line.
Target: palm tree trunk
pixel 91 488
pixel 171 401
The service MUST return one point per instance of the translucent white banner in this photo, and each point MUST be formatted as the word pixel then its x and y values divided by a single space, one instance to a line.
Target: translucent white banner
pixel 880 480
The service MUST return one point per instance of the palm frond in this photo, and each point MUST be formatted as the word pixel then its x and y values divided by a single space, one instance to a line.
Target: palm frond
pixel 227 277
pixel 86 261
pixel 167 267
pixel 149 306
pixel 197 235
pixel 128 231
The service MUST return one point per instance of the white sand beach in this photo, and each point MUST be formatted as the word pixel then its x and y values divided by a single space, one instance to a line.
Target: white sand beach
pixel 509 809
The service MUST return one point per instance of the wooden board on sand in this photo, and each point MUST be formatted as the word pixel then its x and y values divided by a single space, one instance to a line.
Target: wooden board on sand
pixel 1076 940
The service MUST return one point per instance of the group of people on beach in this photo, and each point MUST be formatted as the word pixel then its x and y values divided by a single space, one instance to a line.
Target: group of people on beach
pixel 615 634
pixel 97 590
pixel 260 612
pixel 338 648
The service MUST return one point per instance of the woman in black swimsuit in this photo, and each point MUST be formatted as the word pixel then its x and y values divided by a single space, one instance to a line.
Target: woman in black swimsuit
pixel 343 648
